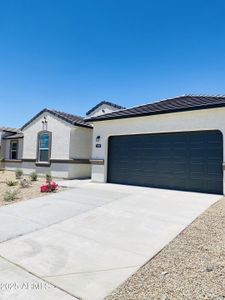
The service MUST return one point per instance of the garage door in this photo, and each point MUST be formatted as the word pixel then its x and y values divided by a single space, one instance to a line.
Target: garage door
pixel 190 161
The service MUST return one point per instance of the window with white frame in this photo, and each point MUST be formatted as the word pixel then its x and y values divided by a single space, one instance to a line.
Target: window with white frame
pixel 44 143
pixel 14 149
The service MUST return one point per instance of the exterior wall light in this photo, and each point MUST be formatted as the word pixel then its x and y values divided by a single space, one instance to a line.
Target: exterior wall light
pixel 98 139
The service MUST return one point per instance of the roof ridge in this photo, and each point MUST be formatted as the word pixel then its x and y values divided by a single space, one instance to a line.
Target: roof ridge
pixel 104 102
pixel 137 106
pixel 167 105
pixel 63 112
pixel 169 98
pixel 69 118
pixel 206 95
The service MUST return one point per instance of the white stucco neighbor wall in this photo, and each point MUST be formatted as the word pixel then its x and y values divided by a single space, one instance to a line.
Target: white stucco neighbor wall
pixel 208 119
pixel 103 109
pixel 60 137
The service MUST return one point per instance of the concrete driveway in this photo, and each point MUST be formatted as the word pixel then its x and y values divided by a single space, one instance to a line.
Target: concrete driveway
pixel 83 243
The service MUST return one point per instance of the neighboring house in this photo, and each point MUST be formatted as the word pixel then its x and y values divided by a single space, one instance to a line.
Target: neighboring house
pixel 6 132
pixel 52 141
pixel 175 143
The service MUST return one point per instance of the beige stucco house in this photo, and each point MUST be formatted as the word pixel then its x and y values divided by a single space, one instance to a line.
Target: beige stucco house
pixel 176 143
pixel 53 141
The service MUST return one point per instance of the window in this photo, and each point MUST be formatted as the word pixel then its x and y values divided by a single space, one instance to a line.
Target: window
pixel 44 146
pixel 14 150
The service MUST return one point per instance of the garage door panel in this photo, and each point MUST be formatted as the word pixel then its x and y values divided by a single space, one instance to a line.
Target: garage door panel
pixel 178 152
pixel 214 167
pixel 186 161
pixel 213 153
pixel 178 169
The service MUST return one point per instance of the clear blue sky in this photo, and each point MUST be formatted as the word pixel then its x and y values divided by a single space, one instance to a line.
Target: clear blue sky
pixel 71 54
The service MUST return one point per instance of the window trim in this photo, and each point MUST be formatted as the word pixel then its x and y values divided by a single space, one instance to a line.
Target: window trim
pixel 11 150
pixel 49 147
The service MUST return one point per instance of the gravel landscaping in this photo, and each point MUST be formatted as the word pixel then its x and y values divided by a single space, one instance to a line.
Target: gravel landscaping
pixel 30 192
pixel 191 267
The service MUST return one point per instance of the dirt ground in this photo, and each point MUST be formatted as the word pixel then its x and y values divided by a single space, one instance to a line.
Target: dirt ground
pixel 30 192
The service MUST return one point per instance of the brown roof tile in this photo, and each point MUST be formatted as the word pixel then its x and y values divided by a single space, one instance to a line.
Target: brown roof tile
pixel 71 119
pixel 181 103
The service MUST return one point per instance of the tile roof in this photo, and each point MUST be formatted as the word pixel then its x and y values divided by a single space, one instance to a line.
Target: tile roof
pixel 104 102
pixel 8 129
pixel 18 135
pixel 71 119
pixel 181 103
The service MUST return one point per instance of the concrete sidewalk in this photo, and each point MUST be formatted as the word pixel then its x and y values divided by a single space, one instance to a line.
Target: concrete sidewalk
pixel 18 284
pixel 94 237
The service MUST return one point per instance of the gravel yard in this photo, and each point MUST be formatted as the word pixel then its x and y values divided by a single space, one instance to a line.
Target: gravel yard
pixel 191 267
pixel 32 191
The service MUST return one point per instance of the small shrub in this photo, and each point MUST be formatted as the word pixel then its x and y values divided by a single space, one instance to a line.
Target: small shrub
pixel 19 173
pixel 2 169
pixel 11 183
pixel 49 187
pixel 25 183
pixel 48 177
pixel 10 195
pixel 33 176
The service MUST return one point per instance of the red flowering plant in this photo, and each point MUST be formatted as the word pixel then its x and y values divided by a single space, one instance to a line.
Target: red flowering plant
pixel 50 185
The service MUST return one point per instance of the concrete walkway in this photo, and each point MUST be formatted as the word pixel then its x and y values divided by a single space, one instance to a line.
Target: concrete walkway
pixel 88 240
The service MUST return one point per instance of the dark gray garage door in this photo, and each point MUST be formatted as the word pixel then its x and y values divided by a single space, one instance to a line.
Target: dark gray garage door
pixel 190 161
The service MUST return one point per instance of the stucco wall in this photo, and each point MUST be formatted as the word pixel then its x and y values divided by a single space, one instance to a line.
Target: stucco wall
pixel 60 137
pixel 80 142
pixel 174 122
pixel 68 142
pixel 56 169
pixel 98 111
pixel 6 148
pixel 61 170
pixel 12 166
pixel 79 171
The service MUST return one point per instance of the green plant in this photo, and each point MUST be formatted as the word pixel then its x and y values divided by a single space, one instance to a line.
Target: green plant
pixel 10 195
pixel 48 177
pixel 25 183
pixel 2 169
pixel 33 176
pixel 11 183
pixel 19 173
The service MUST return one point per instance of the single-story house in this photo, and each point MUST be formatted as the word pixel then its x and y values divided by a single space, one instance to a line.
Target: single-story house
pixel 175 143
pixel 4 133
pixel 53 141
